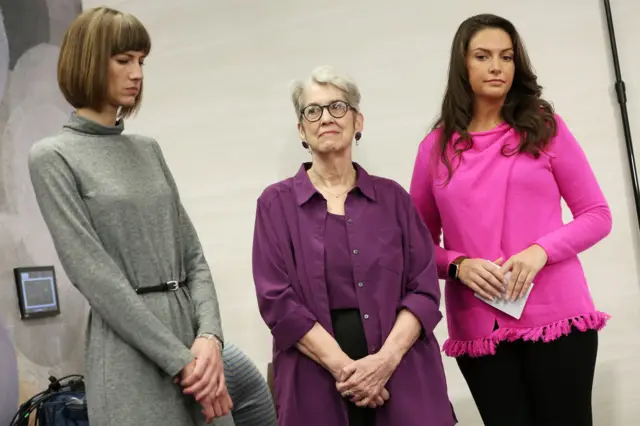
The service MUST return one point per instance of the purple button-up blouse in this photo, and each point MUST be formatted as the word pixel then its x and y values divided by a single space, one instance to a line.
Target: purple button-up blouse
pixel 392 254
pixel 341 289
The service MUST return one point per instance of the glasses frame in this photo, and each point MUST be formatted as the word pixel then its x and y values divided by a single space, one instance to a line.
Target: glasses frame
pixel 326 106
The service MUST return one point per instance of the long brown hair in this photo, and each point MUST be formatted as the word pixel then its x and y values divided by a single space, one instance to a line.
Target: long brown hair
pixel 524 109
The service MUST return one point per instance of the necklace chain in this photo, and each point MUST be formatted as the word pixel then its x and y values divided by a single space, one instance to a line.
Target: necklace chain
pixel 324 187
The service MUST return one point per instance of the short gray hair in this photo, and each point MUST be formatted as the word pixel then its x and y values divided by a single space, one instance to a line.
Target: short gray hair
pixel 326 75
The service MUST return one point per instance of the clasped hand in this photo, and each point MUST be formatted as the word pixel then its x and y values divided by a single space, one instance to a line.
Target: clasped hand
pixel 204 379
pixel 363 381
pixel 489 281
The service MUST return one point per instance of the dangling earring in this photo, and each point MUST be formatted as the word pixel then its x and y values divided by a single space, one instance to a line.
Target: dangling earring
pixel 306 146
pixel 358 136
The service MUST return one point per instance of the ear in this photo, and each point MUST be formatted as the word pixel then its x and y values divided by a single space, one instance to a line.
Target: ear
pixel 359 122
pixel 301 132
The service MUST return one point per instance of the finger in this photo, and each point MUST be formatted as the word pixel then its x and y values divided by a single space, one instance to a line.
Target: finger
pixel 348 371
pixel 491 282
pixel 221 381
pixel 527 284
pixel 476 289
pixel 515 272
pixel 229 402
pixel 207 411
pixel 203 383
pixel 482 279
pixel 522 276
pixel 506 267
pixel 498 261
pixel 195 375
pixel 498 274
pixel 349 384
pixel 384 393
pixel 212 384
pixel 217 408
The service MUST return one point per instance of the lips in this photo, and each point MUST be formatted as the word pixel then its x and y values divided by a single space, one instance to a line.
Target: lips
pixel 328 132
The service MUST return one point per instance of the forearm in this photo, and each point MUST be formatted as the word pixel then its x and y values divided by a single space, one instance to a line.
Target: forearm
pixel 322 348
pixel 200 281
pixel 205 299
pixel 404 334
pixel 444 258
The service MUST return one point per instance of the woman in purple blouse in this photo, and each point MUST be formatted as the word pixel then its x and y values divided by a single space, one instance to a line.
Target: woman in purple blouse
pixel 346 280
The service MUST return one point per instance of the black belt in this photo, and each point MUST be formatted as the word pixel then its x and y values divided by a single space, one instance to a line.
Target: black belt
pixel 168 286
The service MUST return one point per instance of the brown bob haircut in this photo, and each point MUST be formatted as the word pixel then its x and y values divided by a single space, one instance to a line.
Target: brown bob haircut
pixel 88 45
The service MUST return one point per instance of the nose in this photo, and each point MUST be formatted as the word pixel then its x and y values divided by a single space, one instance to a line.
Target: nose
pixel 495 66
pixel 136 72
pixel 326 117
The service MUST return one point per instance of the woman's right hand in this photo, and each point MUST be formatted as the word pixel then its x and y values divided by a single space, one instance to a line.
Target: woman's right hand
pixel 338 374
pixel 483 277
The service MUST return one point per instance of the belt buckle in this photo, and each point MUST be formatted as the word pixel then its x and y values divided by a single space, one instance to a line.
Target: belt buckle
pixel 173 285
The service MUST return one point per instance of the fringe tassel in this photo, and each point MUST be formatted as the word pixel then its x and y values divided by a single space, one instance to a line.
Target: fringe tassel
pixel 487 345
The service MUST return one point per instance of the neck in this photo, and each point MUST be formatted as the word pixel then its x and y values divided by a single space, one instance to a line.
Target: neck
pixel 332 170
pixel 107 117
pixel 486 114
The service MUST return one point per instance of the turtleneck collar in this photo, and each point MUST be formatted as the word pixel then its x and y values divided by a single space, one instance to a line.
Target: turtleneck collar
pixel 84 125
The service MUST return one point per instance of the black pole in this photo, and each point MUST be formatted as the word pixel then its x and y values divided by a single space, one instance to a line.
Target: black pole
pixel 622 100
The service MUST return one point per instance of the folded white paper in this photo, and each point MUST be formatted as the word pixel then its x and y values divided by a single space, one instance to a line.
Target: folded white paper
pixel 512 308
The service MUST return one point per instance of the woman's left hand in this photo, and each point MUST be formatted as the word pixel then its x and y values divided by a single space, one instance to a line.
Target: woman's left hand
pixel 208 375
pixel 366 378
pixel 216 407
pixel 523 266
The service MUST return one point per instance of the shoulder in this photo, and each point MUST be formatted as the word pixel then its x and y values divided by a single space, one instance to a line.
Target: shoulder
pixel 276 191
pixel 430 142
pixel 143 141
pixel 46 149
pixel 563 138
pixel 388 191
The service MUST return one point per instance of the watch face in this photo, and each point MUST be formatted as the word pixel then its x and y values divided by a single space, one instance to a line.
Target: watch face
pixel 453 270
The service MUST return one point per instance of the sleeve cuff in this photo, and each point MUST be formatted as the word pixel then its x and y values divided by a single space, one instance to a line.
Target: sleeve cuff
pixel 545 244
pixel 176 368
pixel 423 308
pixel 292 327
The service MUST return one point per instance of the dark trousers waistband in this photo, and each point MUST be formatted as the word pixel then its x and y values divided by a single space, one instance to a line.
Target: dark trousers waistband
pixel 168 286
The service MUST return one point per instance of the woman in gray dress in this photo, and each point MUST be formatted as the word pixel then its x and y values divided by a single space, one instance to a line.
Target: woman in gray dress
pixel 154 339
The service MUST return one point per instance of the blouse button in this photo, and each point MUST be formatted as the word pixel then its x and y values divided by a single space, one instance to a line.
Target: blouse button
pixel 360 284
pixel 355 251
pixel 349 221
pixel 366 316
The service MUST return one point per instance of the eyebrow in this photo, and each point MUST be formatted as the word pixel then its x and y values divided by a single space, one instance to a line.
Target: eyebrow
pixel 489 51
pixel 328 103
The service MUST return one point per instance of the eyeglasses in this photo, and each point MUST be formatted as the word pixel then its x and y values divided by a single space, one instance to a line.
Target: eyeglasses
pixel 337 109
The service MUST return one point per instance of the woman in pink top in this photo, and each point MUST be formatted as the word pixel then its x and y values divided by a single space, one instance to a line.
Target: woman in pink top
pixel 490 177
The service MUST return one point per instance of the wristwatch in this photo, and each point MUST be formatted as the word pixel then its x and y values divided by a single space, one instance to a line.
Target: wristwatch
pixel 210 336
pixel 454 267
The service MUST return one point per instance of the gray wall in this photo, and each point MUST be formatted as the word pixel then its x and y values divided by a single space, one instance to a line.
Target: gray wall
pixel 31 107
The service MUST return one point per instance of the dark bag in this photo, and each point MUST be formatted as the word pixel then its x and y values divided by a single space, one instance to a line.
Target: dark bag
pixel 63 403
pixel 64 409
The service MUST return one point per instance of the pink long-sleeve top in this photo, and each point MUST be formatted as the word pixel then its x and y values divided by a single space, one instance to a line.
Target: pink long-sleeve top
pixel 496 206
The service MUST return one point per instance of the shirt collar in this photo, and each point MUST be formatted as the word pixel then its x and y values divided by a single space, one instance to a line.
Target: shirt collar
pixel 304 189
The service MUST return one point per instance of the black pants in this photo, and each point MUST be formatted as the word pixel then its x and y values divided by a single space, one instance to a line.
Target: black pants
pixel 349 333
pixel 535 383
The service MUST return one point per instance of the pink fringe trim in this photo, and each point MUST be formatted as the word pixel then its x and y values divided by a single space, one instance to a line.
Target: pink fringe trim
pixel 487 345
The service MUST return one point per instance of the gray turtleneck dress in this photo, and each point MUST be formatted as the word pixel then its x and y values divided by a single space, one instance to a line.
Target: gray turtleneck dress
pixel 117 223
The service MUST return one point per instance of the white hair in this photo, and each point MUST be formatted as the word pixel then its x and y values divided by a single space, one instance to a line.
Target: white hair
pixel 326 75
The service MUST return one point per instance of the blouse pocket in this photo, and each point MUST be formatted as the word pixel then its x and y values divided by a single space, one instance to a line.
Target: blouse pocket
pixel 391 256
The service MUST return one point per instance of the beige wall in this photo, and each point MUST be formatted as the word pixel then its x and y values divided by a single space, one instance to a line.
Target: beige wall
pixel 217 101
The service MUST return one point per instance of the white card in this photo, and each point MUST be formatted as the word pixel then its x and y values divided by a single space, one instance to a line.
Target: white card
pixel 512 308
